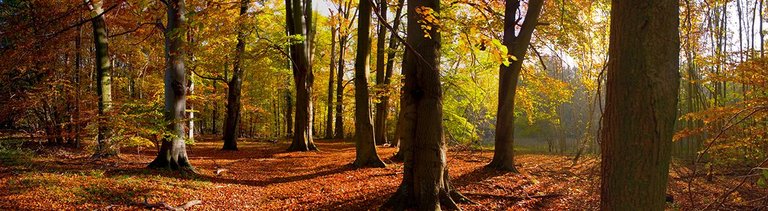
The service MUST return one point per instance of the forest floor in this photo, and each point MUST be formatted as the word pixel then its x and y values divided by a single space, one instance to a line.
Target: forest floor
pixel 262 176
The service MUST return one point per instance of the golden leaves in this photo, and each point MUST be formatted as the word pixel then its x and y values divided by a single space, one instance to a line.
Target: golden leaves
pixel 428 20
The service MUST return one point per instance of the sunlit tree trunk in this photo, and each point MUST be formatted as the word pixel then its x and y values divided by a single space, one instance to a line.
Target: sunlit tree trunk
pixel 504 152
pixel 104 81
pixel 641 104
pixel 173 150
pixel 303 76
pixel 425 181
pixel 365 143
pixel 232 120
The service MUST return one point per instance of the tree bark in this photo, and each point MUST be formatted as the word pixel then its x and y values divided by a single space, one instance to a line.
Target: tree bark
pixel 380 122
pixel 232 120
pixel 331 76
pixel 393 44
pixel 104 147
pixel 173 150
pixel 504 152
pixel 641 104
pixel 340 89
pixel 303 76
pixel 425 183
pixel 365 142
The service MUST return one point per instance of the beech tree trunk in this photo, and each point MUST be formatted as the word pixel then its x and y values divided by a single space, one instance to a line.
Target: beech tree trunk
pixel 425 173
pixel 331 76
pixel 641 104
pixel 393 44
pixel 504 152
pixel 340 89
pixel 104 147
pixel 232 120
pixel 173 150
pixel 365 142
pixel 288 113
pixel 380 122
pixel 303 76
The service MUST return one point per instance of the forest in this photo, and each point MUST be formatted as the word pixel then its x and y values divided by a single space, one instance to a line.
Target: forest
pixel 383 105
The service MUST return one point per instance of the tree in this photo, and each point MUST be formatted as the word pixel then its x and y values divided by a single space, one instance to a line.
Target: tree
pixel 345 16
pixel 103 79
pixel 390 66
pixel 331 76
pixel 641 104
pixel 504 152
pixel 425 173
pixel 232 120
pixel 365 143
pixel 381 109
pixel 173 150
pixel 299 24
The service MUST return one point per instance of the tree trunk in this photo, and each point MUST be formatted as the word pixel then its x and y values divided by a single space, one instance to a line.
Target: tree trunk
pixel 78 85
pixel 303 76
pixel 425 181
pixel 641 104
pixel 393 44
pixel 173 150
pixel 504 152
pixel 340 89
pixel 104 81
pixel 365 143
pixel 381 109
pixel 331 76
pixel 232 121
pixel 288 113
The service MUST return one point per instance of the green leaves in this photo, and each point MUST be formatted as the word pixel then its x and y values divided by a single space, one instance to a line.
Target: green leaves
pixel 762 181
pixel 500 52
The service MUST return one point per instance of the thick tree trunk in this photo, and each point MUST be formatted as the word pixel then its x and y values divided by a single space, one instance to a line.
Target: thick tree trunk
pixel 340 89
pixel 380 122
pixel 331 76
pixel 426 183
pixel 641 104
pixel 365 143
pixel 303 75
pixel 173 150
pixel 504 152
pixel 104 81
pixel 232 121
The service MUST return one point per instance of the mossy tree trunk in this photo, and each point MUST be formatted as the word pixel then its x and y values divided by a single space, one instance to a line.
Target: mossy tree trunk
pixel 173 150
pixel 104 147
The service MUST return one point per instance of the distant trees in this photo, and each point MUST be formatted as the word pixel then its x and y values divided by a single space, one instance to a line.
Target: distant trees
pixel 504 152
pixel 641 104
pixel 173 150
